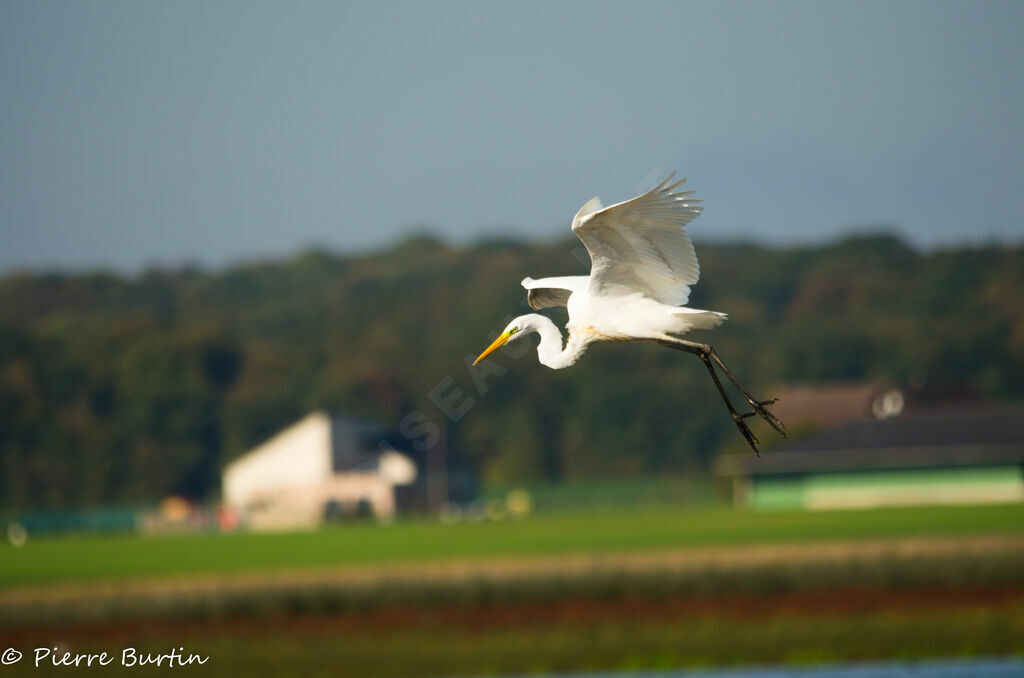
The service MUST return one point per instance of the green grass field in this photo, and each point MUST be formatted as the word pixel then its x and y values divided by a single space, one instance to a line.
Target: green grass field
pixel 957 603
pixel 80 558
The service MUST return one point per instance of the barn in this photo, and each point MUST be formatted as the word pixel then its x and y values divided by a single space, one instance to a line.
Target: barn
pixel 322 468
pixel 952 454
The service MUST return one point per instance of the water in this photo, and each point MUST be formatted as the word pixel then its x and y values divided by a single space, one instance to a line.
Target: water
pixel 989 668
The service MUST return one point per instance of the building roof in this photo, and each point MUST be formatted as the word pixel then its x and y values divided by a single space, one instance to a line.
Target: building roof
pixel 939 436
pixel 826 406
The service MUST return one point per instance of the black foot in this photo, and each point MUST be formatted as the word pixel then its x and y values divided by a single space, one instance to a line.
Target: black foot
pixel 747 433
pixel 760 409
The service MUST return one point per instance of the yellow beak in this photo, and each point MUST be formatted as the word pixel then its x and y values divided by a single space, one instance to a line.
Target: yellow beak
pixel 498 343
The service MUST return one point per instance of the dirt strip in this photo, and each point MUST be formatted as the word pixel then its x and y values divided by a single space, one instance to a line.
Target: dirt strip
pixel 719 558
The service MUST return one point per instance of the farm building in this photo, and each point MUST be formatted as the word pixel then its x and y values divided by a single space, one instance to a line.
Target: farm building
pixel 939 454
pixel 322 468
pixel 820 407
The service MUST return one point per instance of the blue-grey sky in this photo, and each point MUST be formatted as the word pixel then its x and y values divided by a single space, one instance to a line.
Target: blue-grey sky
pixel 136 133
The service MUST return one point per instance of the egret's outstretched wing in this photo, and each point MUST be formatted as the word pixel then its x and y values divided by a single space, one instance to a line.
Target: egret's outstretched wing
pixel 548 292
pixel 640 246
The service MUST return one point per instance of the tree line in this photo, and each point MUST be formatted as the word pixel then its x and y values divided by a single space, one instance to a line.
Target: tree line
pixel 124 389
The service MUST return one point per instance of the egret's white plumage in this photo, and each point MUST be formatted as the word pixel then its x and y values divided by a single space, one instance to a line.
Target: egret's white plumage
pixel 642 267
pixel 548 292
pixel 641 245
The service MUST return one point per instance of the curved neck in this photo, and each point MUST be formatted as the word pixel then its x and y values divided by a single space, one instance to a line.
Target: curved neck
pixel 549 351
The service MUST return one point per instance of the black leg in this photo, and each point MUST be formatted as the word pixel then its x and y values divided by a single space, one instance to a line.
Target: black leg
pixel 707 354
pixel 760 406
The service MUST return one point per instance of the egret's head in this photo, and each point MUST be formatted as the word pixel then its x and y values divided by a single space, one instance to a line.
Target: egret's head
pixel 513 331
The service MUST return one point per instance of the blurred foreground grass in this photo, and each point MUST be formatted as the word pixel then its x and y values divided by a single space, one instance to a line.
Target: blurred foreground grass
pixel 119 557
pixel 613 591
pixel 625 641
pixel 953 604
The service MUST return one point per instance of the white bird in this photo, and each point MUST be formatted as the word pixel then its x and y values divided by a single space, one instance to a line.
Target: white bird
pixel 642 267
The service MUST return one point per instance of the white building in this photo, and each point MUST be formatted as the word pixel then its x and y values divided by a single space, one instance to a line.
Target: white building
pixel 320 467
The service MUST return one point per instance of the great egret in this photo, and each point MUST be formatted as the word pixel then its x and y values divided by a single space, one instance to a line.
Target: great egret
pixel 642 266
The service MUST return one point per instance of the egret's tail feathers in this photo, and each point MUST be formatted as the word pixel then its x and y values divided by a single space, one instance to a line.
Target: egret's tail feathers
pixel 695 319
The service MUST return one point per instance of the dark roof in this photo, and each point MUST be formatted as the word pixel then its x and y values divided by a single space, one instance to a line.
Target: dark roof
pixel 943 436
pixel 826 406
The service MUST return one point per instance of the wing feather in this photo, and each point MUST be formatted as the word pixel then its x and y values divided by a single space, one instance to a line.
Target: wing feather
pixel 640 245
pixel 555 291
